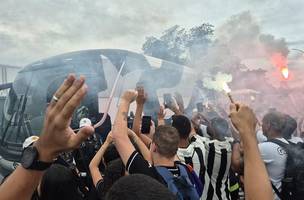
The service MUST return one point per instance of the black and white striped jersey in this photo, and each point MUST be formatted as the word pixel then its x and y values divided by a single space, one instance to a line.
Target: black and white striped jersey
pixel 194 155
pixel 218 162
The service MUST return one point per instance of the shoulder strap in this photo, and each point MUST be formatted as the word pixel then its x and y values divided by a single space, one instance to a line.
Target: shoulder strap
pixel 279 142
pixel 278 193
pixel 182 170
pixel 195 180
pixel 164 172
pixel 168 177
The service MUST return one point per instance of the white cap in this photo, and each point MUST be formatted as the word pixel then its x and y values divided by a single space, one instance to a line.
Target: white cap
pixel 85 122
pixel 29 141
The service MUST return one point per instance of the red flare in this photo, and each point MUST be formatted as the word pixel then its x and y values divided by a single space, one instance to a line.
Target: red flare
pixel 285 72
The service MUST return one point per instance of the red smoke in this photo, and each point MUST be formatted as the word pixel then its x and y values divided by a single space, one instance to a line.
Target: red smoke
pixel 280 62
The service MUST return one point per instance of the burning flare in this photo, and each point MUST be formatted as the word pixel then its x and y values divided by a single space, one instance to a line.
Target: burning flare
pixel 226 88
pixel 285 72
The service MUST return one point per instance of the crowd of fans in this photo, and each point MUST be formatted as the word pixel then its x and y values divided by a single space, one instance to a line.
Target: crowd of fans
pixel 198 155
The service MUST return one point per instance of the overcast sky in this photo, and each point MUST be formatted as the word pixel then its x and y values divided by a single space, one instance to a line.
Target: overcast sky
pixel 34 29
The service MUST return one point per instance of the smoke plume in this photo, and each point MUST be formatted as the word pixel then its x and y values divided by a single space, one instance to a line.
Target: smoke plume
pixel 216 83
pixel 243 36
pixel 239 44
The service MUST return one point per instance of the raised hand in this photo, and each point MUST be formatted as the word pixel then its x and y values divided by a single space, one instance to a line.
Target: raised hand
pixel 57 136
pixel 180 101
pixel 243 118
pixel 161 113
pixel 172 105
pixel 129 96
pixel 141 97
pixel 152 129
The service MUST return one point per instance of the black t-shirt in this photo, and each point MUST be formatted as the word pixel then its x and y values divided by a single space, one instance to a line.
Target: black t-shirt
pixel 100 189
pixel 138 165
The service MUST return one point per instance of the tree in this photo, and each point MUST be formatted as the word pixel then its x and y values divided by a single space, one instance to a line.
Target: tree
pixel 180 45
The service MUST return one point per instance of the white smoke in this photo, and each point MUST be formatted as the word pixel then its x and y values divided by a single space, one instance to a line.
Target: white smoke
pixel 242 35
pixel 217 82
pixel 239 44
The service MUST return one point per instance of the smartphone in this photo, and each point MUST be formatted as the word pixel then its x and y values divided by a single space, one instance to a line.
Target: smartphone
pixel 167 99
pixel 146 124
pixel 200 107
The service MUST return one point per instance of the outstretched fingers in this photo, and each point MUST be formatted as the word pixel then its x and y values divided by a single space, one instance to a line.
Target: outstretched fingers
pixel 68 82
pixel 72 104
pixel 69 93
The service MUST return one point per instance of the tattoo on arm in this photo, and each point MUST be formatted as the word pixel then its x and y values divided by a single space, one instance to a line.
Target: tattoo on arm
pixel 125 116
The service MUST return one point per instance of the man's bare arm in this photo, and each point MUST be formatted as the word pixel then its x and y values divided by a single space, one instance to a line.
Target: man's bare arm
pixel 120 129
pixel 161 116
pixel 180 102
pixel 140 101
pixel 94 164
pixel 141 146
pixel 145 139
pixel 257 184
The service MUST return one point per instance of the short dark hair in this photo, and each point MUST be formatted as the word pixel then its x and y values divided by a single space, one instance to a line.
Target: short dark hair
pixel 276 121
pixel 110 154
pixel 113 172
pixel 59 182
pixel 166 139
pixel 138 187
pixel 290 127
pixel 182 124
pixel 220 127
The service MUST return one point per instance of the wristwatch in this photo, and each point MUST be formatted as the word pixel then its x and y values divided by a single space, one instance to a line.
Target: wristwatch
pixel 30 160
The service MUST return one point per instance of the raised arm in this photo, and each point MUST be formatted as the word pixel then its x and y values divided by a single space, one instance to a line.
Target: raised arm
pixel 120 129
pixel 140 101
pixel 180 101
pixel 94 164
pixel 257 185
pixel 56 137
pixel 141 146
pixel 161 116
pixel 173 105
pixel 147 139
pixel 175 109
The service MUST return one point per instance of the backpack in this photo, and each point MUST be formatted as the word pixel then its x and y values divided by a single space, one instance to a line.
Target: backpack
pixel 195 180
pixel 293 181
pixel 180 186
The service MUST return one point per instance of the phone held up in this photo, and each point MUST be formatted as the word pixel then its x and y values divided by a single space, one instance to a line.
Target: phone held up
pixel 146 124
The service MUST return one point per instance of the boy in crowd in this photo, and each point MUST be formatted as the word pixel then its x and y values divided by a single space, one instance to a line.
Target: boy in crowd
pixel 162 149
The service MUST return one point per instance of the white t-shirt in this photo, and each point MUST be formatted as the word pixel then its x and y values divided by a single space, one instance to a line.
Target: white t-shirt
pixel 204 131
pixel 274 158
pixel 260 136
pixel 295 139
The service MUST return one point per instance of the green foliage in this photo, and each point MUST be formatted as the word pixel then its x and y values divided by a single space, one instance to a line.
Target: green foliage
pixel 180 45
